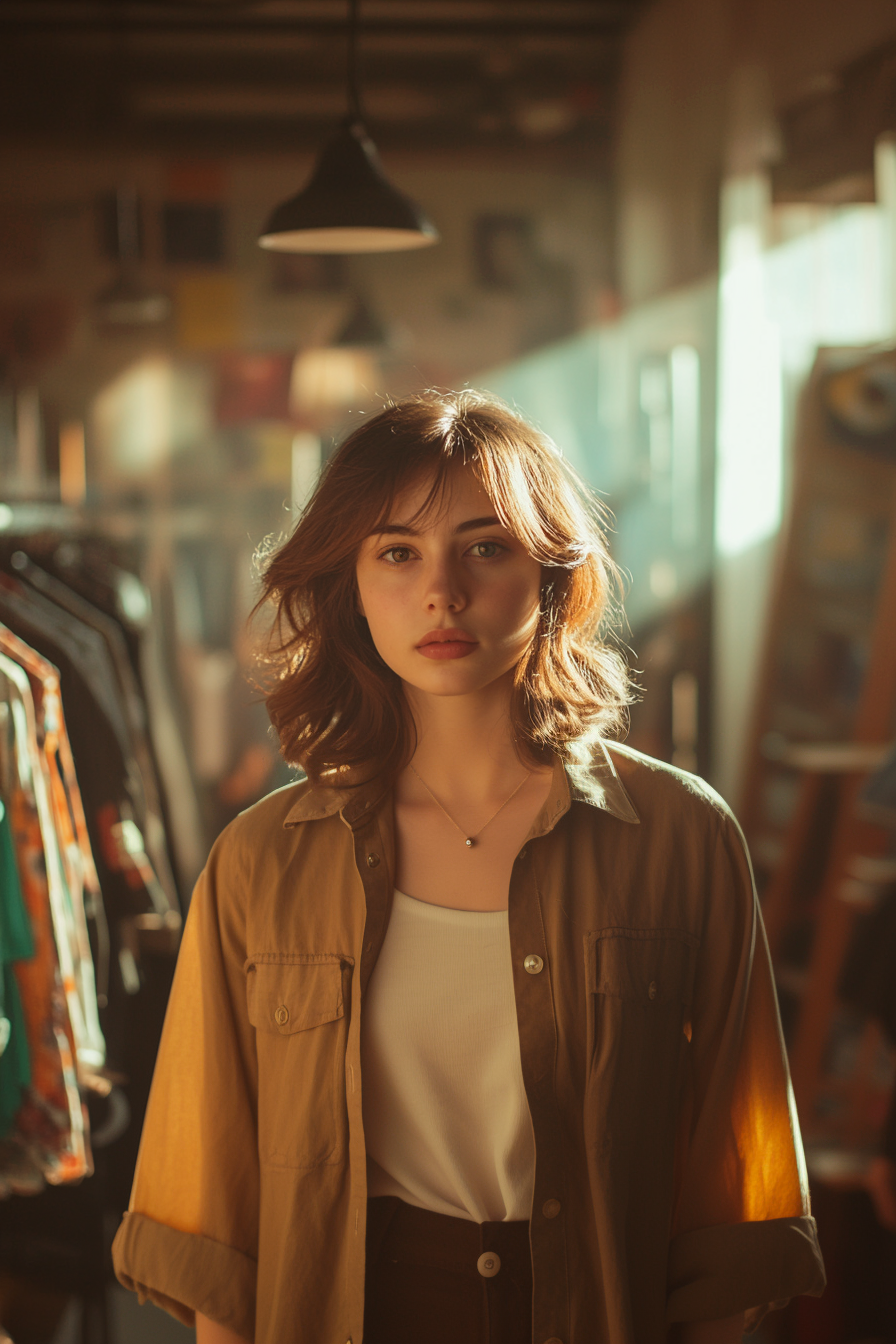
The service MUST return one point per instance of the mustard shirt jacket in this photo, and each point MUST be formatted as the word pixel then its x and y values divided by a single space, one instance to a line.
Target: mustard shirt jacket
pixel 651 1048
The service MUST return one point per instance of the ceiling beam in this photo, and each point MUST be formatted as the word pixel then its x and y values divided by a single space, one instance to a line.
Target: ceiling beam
pixel 509 17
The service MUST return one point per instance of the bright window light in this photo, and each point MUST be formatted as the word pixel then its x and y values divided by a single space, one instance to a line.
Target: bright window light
pixel 748 481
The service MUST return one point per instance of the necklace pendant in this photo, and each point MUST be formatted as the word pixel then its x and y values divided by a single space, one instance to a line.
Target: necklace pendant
pixel 469 843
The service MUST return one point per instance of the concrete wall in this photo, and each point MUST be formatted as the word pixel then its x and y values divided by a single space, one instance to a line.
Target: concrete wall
pixel 684 114
pixel 701 84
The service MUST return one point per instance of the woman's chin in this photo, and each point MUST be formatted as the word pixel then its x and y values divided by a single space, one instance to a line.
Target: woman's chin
pixel 448 681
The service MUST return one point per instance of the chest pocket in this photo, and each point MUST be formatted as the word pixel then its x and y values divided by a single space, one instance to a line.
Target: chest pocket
pixel 640 984
pixel 297 1004
pixel 649 966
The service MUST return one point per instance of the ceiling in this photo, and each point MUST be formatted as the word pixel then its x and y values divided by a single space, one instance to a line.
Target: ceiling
pixel 474 77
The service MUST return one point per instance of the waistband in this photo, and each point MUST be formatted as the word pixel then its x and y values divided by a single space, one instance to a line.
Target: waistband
pixel 404 1233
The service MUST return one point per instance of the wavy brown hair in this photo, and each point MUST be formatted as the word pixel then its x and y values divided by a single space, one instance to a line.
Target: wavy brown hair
pixel 331 698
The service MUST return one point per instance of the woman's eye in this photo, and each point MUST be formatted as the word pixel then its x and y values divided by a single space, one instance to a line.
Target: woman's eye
pixel 486 550
pixel 396 555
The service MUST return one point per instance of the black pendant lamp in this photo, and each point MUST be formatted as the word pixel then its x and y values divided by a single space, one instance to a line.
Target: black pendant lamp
pixel 349 205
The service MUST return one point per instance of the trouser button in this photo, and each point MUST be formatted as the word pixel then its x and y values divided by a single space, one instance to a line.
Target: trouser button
pixel 488 1264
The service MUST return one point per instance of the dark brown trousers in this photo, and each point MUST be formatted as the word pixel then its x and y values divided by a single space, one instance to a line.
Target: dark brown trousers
pixel 432 1279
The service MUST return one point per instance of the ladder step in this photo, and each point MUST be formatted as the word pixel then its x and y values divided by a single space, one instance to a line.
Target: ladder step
pixel 835 758
pixel 837 1166
pixel 875 871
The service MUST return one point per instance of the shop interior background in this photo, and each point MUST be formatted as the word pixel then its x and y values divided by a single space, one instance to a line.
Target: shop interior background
pixel 668 236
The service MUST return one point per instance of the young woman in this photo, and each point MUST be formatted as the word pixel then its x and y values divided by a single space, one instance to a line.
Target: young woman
pixel 473 1037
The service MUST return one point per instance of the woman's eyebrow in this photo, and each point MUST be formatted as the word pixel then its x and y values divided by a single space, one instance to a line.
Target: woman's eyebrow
pixel 473 524
pixel 406 530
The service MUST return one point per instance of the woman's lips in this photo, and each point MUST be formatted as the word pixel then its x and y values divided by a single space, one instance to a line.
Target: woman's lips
pixel 446 648
pixel 451 648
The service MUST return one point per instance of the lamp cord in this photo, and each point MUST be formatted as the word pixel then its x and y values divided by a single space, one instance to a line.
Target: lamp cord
pixel 354 97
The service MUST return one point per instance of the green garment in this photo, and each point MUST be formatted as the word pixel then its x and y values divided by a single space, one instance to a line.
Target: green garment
pixel 16 944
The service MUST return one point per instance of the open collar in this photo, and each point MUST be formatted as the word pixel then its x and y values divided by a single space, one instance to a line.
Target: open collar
pixel 338 792
pixel 597 783
pixel 594 782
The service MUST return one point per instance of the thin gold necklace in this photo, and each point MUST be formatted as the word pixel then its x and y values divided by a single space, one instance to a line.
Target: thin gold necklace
pixel 469 840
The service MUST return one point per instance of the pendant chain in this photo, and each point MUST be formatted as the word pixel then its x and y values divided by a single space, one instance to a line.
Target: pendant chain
pixel 470 839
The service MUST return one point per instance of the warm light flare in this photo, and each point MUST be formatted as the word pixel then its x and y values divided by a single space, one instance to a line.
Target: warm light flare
pixel 72 463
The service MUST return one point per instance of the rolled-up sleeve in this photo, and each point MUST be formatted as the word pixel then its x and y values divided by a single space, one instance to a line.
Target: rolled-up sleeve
pixel 743 1238
pixel 190 1237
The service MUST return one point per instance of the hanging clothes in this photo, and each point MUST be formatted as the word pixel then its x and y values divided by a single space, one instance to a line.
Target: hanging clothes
pixel 88 821
pixel 100 836
pixel 71 875
pixel 48 1139
pixel 16 944
pixel 132 704
pixel 102 746
pixel 144 612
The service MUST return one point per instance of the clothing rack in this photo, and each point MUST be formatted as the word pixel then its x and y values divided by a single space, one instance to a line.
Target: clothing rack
pixel 86 798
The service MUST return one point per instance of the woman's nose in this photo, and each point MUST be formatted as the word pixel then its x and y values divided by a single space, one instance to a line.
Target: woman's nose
pixel 444 591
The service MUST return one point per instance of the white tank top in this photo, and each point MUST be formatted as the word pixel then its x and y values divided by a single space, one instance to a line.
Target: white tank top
pixel 446 1121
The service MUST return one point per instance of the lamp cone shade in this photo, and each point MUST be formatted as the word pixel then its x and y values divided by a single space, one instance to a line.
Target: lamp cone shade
pixel 348 205
pixel 128 302
pixel 363 330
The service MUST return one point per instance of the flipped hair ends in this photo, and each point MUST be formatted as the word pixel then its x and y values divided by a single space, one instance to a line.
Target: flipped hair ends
pixel 332 700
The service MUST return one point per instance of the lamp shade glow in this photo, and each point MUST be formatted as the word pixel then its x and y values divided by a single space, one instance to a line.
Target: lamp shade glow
pixel 127 302
pixel 348 205
pixel 328 379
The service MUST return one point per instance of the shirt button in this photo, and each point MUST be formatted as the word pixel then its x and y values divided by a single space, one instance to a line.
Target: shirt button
pixel 550 1208
pixel 281 1017
pixel 522 853
pixel 651 990
pixel 553 1340
pixel 372 860
pixel 488 1264
pixel 533 963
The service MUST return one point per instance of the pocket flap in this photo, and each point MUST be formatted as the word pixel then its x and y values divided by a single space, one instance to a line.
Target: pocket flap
pixel 293 993
pixel 648 965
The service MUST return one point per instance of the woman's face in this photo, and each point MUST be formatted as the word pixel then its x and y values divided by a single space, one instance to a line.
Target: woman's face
pixel 452 602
